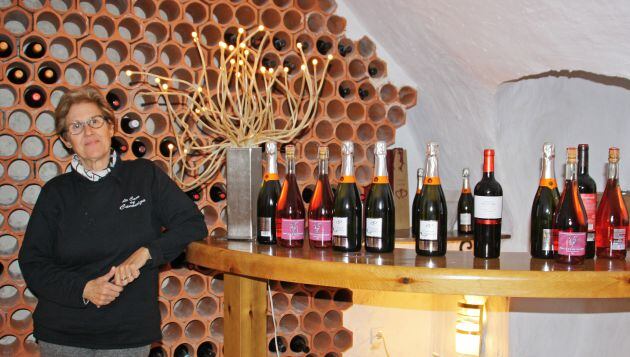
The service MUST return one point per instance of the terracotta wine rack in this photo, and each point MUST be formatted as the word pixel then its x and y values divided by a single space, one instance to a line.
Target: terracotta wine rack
pixel 95 42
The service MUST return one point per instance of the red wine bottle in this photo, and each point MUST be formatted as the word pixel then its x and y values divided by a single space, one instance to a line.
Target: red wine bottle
pixel 168 147
pixel 588 193
pixel 47 74
pixel 195 194
pixel 344 91
pixel 431 238
pixel 129 125
pixel 415 208
pixel 320 208
pixel 612 215
pixel 34 48
pixel 138 148
pixel 277 344
pixel 290 212
pixel 113 99
pixel 347 209
pixel 119 145
pixel 206 349
pixel 299 343
pixel 323 46
pixel 363 93
pixel 465 206
pixel 487 212
pixel 35 97
pixel 218 193
pixel 379 207
pixel 344 50
pixel 182 351
pixel 569 219
pixel 544 206
pixel 17 74
pixel 279 43
pixel 372 71
pixel 6 48
pixel 268 198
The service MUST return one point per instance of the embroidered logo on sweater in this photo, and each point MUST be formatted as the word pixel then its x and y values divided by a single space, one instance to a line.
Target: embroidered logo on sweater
pixel 131 202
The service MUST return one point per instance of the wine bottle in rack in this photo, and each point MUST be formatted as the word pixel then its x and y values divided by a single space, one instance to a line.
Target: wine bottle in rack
pixel 569 219
pixel 157 352
pixel 415 206
pixel 465 206
pixel 299 343
pixel 206 349
pixel 17 75
pixel 431 238
pixel 6 48
pixel 320 208
pixel 218 192
pixel 268 198
pixel 279 43
pixel 344 91
pixel 168 147
pixel 379 206
pixel 588 193
pixel 129 125
pixel 119 145
pixel 47 74
pixel 35 97
pixel 612 215
pixel 544 206
pixel 277 344
pixel 182 351
pixel 34 48
pixel 290 212
pixel 113 99
pixel 195 194
pixel 138 148
pixel 487 212
pixel 347 209
pixel 323 46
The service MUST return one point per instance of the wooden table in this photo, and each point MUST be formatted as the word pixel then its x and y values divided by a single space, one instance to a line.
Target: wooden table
pixel 248 266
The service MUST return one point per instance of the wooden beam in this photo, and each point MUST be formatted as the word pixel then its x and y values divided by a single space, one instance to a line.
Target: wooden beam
pixel 245 314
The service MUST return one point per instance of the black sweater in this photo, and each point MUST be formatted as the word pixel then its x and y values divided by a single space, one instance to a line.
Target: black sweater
pixel 79 229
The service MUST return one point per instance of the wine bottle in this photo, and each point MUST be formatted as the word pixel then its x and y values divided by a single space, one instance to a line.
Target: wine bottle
pixel 344 91
pixel 34 48
pixel 320 208
pixel 129 125
pixel 168 147
pixel 195 194
pixel 218 192
pixel 569 219
pixel 17 75
pixel 379 206
pixel 299 343
pixel 290 208
pixel 323 46
pixel 268 198
pixel 35 97
pixel 279 43
pixel 47 75
pixel 432 212
pixel 5 47
pixel 372 71
pixel 138 148
pixel 206 349
pixel 415 206
pixel 113 100
pixel 119 145
pixel 363 93
pixel 588 193
pixel 465 206
pixel 612 215
pixel 544 206
pixel 344 50
pixel 277 344
pixel 487 212
pixel 182 351
pixel 347 210
pixel 157 352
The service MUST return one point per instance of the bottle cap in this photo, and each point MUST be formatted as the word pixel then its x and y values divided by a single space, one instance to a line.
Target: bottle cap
pixel 323 152
pixel 613 155
pixel 270 148
pixel 380 148
pixel 432 148
pixel 420 172
pixel 488 152
pixel 465 172
pixel 549 150
pixel 347 148
pixel 571 154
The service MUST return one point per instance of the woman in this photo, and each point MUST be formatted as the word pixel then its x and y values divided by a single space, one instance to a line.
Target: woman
pixel 96 238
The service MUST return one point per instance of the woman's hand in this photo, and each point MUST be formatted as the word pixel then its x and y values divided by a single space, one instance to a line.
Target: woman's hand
pixel 129 270
pixel 100 291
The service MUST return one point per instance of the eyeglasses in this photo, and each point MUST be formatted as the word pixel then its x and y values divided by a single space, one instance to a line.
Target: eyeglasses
pixel 94 122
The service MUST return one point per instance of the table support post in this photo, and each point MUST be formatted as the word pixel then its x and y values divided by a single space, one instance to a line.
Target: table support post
pixel 245 314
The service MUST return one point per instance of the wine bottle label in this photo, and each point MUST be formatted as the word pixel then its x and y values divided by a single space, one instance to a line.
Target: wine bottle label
pixel 619 239
pixel 572 243
pixel 320 229
pixel 340 226
pixel 488 207
pixel 292 229
pixel 428 230
pixel 271 177
pixel 264 226
pixel 547 241
pixel 348 179
pixel 590 236
pixel 590 204
pixel 465 219
pixel 374 227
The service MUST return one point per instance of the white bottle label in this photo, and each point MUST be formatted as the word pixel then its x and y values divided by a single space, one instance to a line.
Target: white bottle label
pixel 465 219
pixel 488 207
pixel 619 239
pixel 340 226
pixel 547 241
pixel 590 237
pixel 374 227
pixel 428 230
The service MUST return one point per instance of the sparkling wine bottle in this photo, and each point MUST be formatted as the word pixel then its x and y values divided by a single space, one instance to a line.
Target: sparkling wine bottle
pixel 290 208
pixel 347 210
pixel 465 206
pixel 588 193
pixel 415 207
pixel 320 208
pixel 612 215
pixel 545 203
pixel 268 198
pixel 569 219
pixel 487 212
pixel 379 207
pixel 431 238
pixel 182 351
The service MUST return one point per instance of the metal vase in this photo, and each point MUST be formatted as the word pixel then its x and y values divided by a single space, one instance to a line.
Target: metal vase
pixel 244 176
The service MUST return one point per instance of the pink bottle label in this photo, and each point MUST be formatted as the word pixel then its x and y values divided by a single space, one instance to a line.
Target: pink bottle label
pixel 590 204
pixel 292 229
pixel 572 243
pixel 320 230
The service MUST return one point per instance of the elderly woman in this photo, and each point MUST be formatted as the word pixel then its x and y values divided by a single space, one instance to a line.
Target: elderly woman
pixel 96 238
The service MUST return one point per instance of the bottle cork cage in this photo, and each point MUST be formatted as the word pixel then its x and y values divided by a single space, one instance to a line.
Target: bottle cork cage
pixel 95 42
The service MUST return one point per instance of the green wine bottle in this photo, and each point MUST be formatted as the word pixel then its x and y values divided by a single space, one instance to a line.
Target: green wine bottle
pixel 268 198
pixel 379 207
pixel 347 210
pixel 544 206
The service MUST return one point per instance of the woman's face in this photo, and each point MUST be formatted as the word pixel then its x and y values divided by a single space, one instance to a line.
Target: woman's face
pixel 91 144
